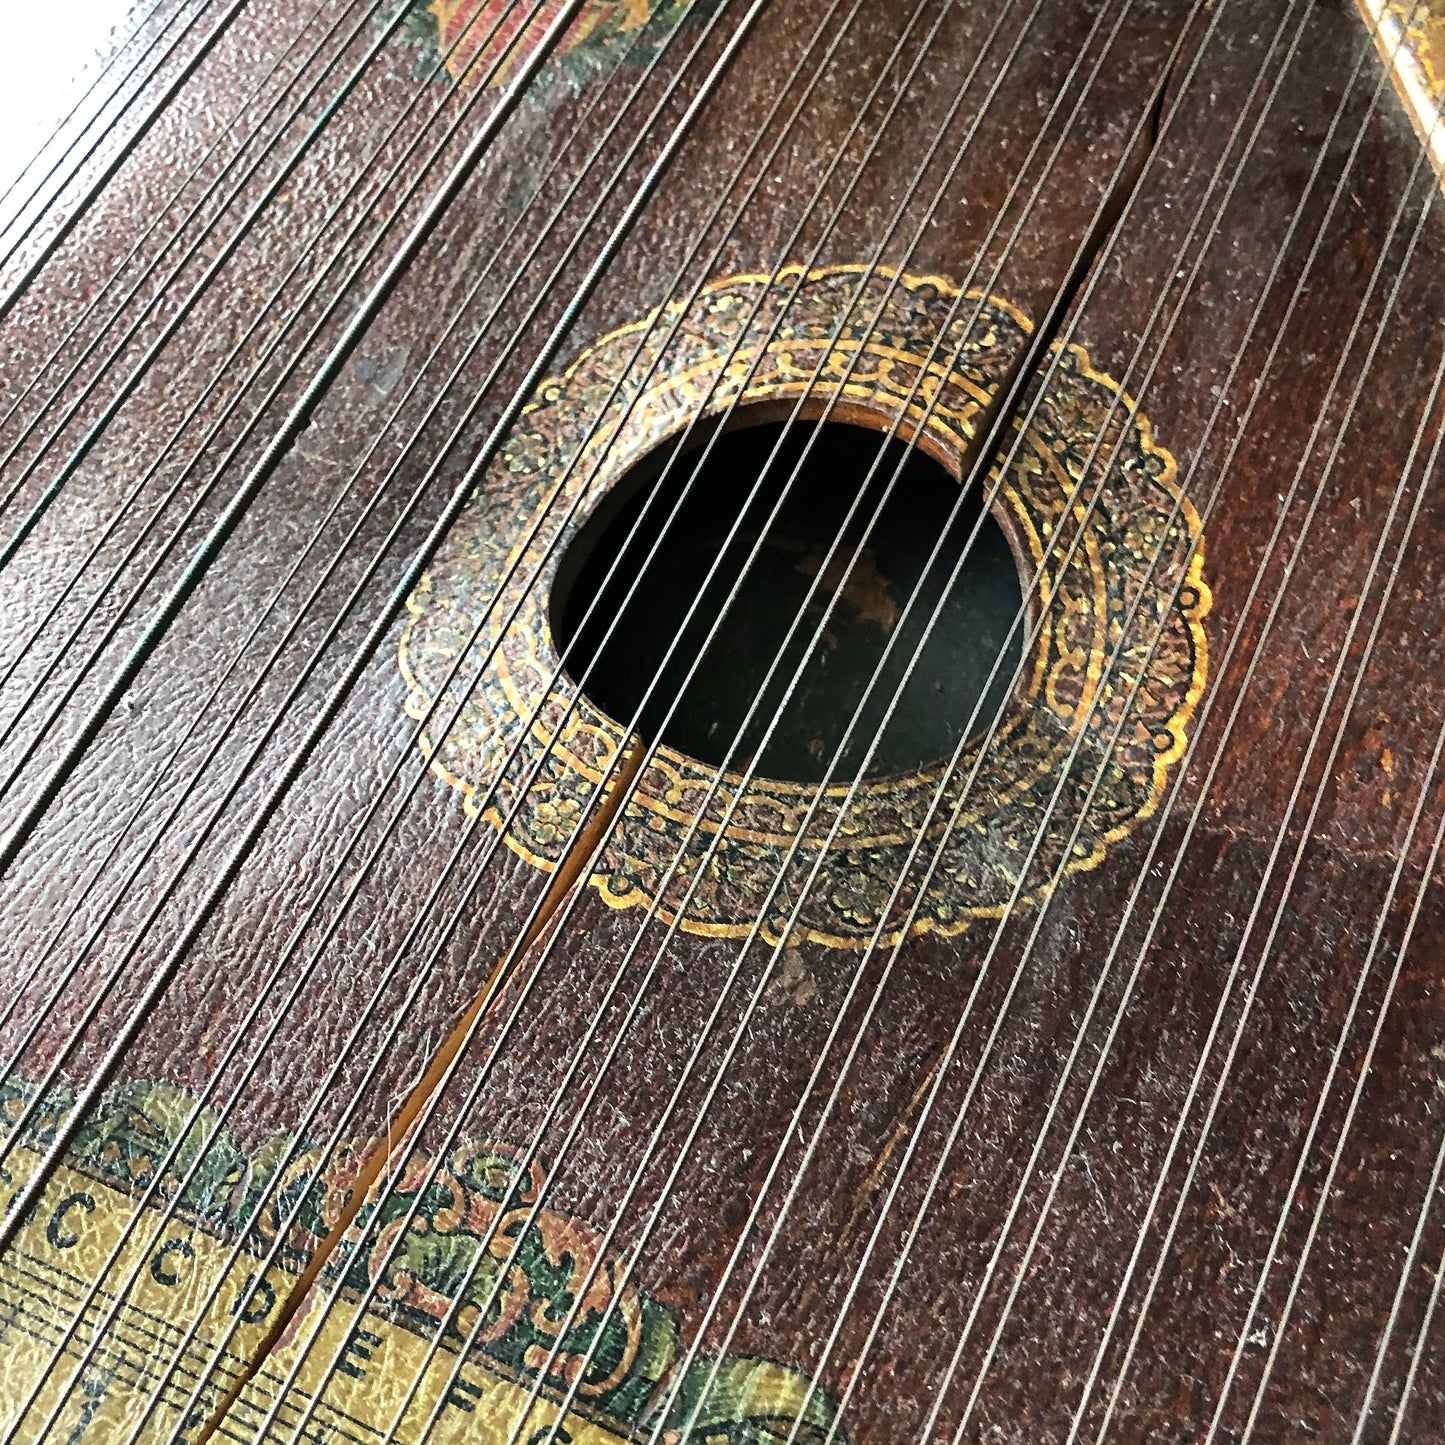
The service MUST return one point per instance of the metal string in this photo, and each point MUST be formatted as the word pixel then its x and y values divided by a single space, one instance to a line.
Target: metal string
pixel 1236 967
pixel 301 928
pixel 242 499
pixel 167 769
pixel 110 632
pixel 354 529
pixel 1120 1006
pixel 855 1374
pixel 1226 389
pixel 1326 1189
pixel 90 92
pixel 162 291
pixel 122 511
pixel 783 935
pixel 564 1325
pixel 1240 431
pixel 396 466
pixel 220 808
pixel 281 441
pixel 881 926
pixel 1417 1237
pixel 621 229
pixel 117 93
pixel 1420 1337
pixel 104 175
pixel 938 1068
pixel 97 427
pixel 288 372
pixel 101 1325
pixel 88 311
pixel 953 1133
pixel 1326 778
pixel 422 976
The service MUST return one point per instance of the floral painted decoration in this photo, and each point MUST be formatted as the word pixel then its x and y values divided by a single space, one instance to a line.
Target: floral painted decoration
pixel 462 1247
pixel 470 36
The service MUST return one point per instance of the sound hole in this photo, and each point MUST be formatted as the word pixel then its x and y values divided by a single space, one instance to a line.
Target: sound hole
pixel 750 657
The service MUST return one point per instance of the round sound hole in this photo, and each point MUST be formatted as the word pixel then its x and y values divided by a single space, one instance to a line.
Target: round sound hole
pixel 738 629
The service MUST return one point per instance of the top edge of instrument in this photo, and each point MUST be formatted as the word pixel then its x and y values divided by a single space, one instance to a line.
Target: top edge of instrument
pixel 1410 36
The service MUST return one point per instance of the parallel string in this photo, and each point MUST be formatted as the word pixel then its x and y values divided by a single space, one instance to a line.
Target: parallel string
pixel 855 1373
pixel 1208 701
pixel 1326 1188
pixel 97 426
pixel 1047 891
pixel 201 559
pixel 1417 1235
pixel 275 391
pixel 234 126
pixel 202 766
pixel 1327 705
pixel 855 1376
pixel 1078 1041
pixel 421 976
pixel 1379 271
pixel 118 50
pixel 937 1069
pixel 59 1059
pixel 102 178
pixel 167 771
pixel 642 130
pixel 302 926
pixel 784 931
pixel 1223 392
pixel 620 230
pixel 281 441
pixel 1306 832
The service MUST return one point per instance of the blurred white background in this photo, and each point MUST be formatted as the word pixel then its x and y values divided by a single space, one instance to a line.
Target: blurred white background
pixel 50 51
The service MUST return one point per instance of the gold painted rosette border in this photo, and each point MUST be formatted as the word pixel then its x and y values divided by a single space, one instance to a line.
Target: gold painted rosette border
pixel 1140 544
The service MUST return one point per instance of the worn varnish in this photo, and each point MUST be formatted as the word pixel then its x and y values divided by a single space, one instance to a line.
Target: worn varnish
pixel 1009 1178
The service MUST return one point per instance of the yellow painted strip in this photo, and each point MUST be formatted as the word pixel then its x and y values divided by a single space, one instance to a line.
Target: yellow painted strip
pixel 180 1275
pixel 384 1371
pixel 183 1275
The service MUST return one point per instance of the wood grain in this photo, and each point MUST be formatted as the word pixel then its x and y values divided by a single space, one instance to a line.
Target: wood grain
pixel 803 1172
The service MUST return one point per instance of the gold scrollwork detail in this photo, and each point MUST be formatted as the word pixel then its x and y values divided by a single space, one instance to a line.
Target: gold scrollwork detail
pixel 1090 473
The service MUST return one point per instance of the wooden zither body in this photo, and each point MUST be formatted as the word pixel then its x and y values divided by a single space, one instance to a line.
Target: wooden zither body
pixel 447 995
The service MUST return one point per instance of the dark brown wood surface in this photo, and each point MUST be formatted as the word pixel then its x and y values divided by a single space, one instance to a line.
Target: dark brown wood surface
pixel 1270 872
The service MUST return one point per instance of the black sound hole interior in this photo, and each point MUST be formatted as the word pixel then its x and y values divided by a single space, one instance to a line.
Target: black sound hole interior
pixel 636 652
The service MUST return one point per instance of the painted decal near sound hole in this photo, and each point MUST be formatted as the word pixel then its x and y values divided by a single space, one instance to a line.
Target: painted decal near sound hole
pixel 1114 652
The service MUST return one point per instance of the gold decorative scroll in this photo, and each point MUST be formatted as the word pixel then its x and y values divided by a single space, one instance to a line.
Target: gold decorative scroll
pixel 1410 35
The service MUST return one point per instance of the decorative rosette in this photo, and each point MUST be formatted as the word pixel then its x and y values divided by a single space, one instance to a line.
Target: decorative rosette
pixel 1090 502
